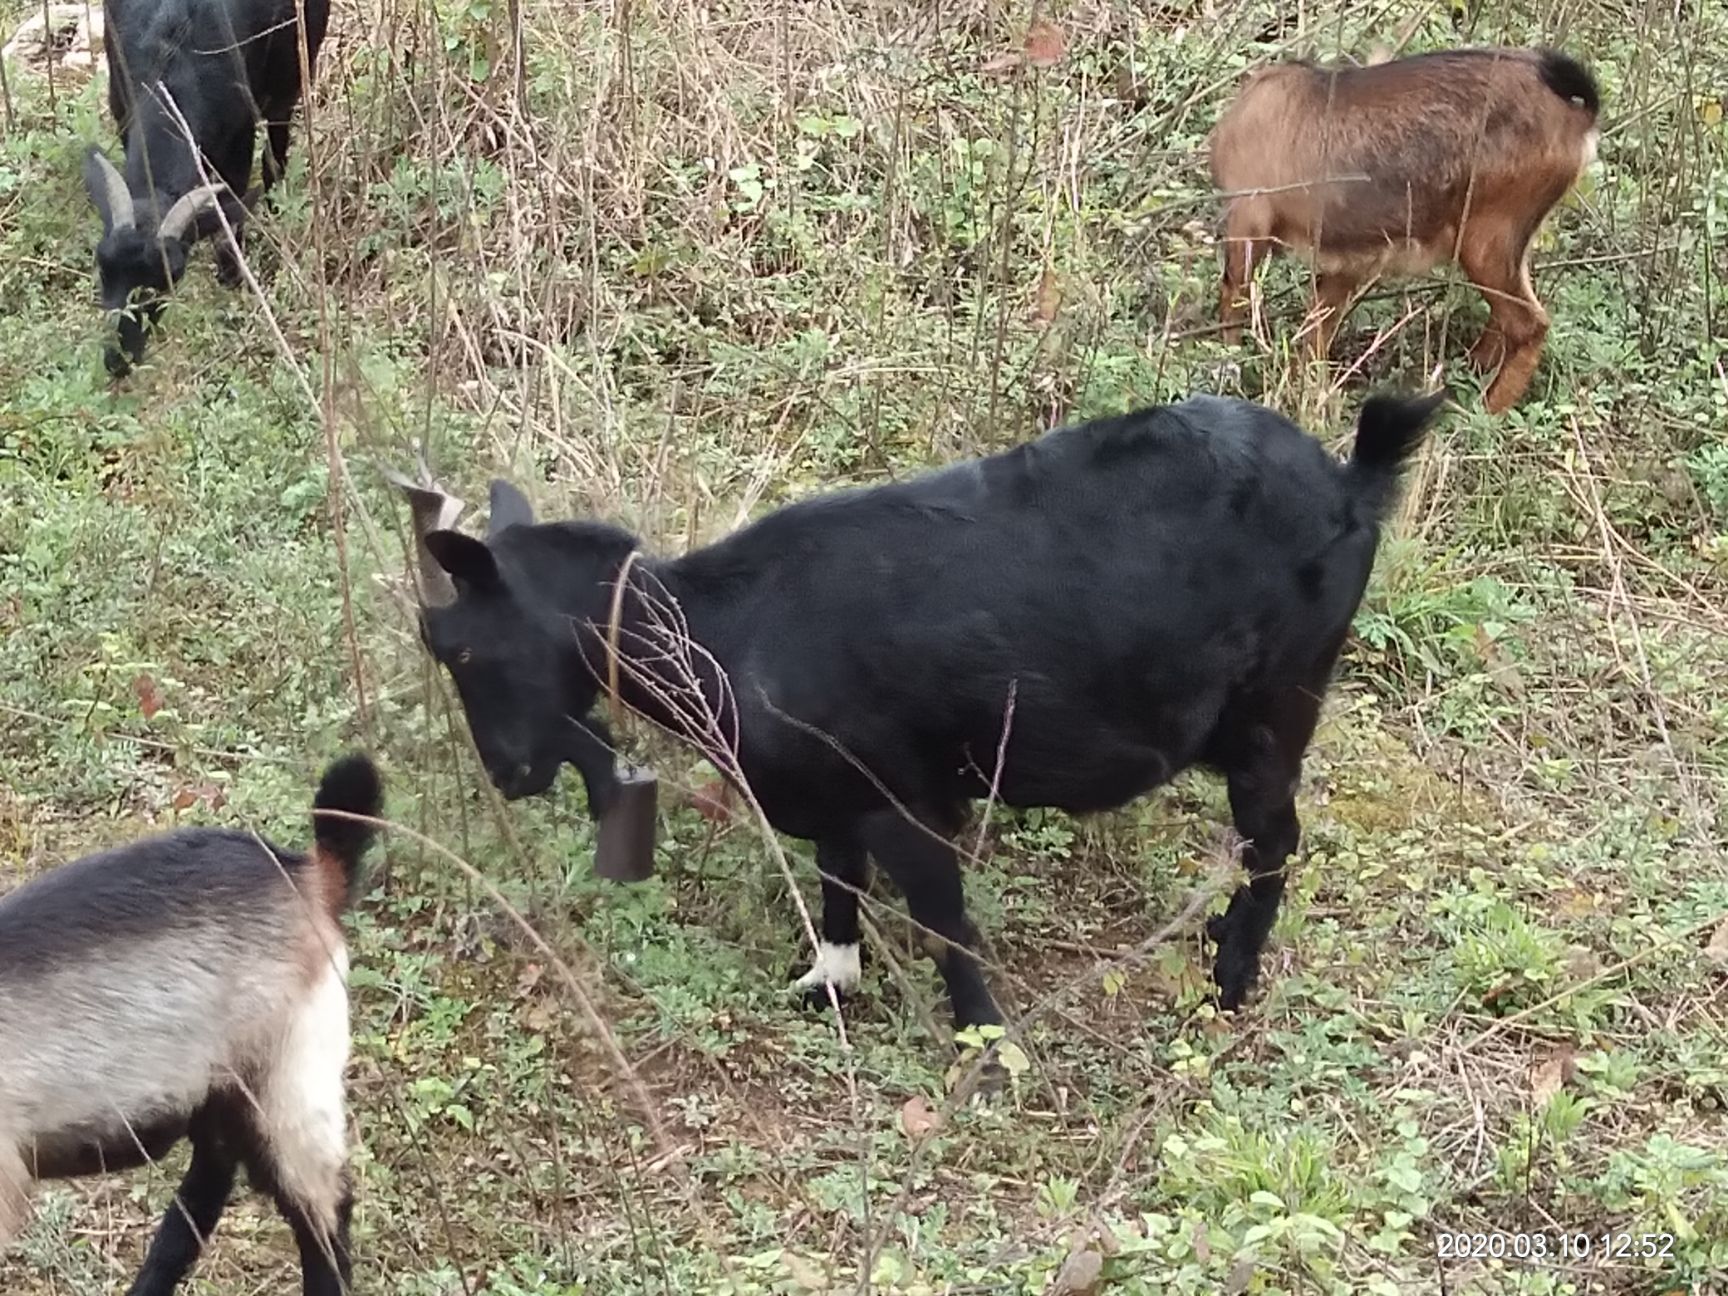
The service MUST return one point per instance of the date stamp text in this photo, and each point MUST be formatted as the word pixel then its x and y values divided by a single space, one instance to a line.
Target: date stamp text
pixel 1609 1247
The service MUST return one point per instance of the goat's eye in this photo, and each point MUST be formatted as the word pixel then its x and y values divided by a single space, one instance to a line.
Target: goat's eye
pixel 465 656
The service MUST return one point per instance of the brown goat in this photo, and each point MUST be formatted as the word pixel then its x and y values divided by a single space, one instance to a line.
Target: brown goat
pixel 1401 167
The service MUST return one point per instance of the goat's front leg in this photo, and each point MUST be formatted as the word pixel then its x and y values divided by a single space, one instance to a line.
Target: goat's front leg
pixel 1332 293
pixel 922 862
pixel 845 868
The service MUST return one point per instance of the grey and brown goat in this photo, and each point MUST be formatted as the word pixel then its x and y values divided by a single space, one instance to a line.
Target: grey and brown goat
pixel 1401 167
pixel 190 985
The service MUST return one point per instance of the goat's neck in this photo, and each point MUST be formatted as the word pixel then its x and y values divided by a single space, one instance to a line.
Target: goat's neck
pixel 668 669
pixel 159 162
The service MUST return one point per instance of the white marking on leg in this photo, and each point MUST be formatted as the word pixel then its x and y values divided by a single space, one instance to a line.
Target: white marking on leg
pixel 835 965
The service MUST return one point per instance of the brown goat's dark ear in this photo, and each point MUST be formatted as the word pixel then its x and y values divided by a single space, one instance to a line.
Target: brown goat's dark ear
pixel 468 560
pixel 509 507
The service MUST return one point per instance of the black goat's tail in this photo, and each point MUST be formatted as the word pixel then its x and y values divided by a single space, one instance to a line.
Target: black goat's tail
pixel 350 786
pixel 1389 431
pixel 1570 79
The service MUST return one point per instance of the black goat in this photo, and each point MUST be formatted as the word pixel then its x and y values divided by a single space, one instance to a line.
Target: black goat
pixel 222 66
pixel 189 985
pixel 1102 607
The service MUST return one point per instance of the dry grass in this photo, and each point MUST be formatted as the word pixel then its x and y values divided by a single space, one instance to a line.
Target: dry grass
pixel 671 264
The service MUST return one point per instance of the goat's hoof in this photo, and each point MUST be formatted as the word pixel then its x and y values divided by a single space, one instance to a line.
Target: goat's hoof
pixel 815 998
pixel 992 1079
pixel 1234 977
pixel 988 1076
pixel 1498 403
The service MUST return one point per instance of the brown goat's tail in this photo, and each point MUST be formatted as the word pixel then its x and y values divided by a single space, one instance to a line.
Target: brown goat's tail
pixel 1389 430
pixel 1570 79
pixel 352 787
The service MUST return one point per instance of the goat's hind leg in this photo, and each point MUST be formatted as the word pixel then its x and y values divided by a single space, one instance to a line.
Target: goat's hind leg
pixel 301 1157
pixel 1259 746
pixel 198 1203
pixel 1497 261
pixel 1332 294
pixel 844 867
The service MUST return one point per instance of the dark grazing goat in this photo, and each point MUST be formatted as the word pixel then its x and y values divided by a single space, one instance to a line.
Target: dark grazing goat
pixel 189 985
pixel 1102 606
pixel 226 65
pixel 1403 166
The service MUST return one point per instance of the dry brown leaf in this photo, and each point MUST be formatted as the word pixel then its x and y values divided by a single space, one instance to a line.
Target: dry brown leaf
pixel 805 1274
pixel 1549 1076
pixel 998 64
pixel 1502 670
pixel 528 978
pixel 917 1119
pixel 1080 1275
pixel 1202 1243
pixel 1717 949
pixel 1046 44
pixel 713 801
pixel 1048 299
pixel 149 700
pixel 184 799
pixel 1240 1275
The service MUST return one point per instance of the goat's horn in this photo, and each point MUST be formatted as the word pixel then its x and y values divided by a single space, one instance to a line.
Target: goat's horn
pixel 186 209
pixel 117 197
pixel 432 510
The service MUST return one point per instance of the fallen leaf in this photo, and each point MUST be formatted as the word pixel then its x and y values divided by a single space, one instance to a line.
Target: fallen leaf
pixel 184 799
pixel 1045 44
pixel 144 689
pixel 1080 1274
pixel 528 978
pixel 1240 1275
pixel 1013 1058
pixel 1202 1243
pixel 1717 950
pixel 1502 670
pixel 997 64
pixel 541 1017
pixel 917 1119
pixel 713 801
pixel 1581 963
pixel 1048 299
pixel 1549 1076
pixel 805 1274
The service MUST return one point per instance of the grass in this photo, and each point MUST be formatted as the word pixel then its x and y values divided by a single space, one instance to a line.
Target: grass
pixel 671 265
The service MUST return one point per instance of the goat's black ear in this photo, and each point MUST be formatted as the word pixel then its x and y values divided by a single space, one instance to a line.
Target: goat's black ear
pixel 509 507
pixel 467 560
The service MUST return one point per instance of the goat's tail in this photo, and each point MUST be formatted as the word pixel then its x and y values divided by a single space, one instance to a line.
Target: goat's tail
pixel 1389 430
pixel 1570 79
pixel 350 786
